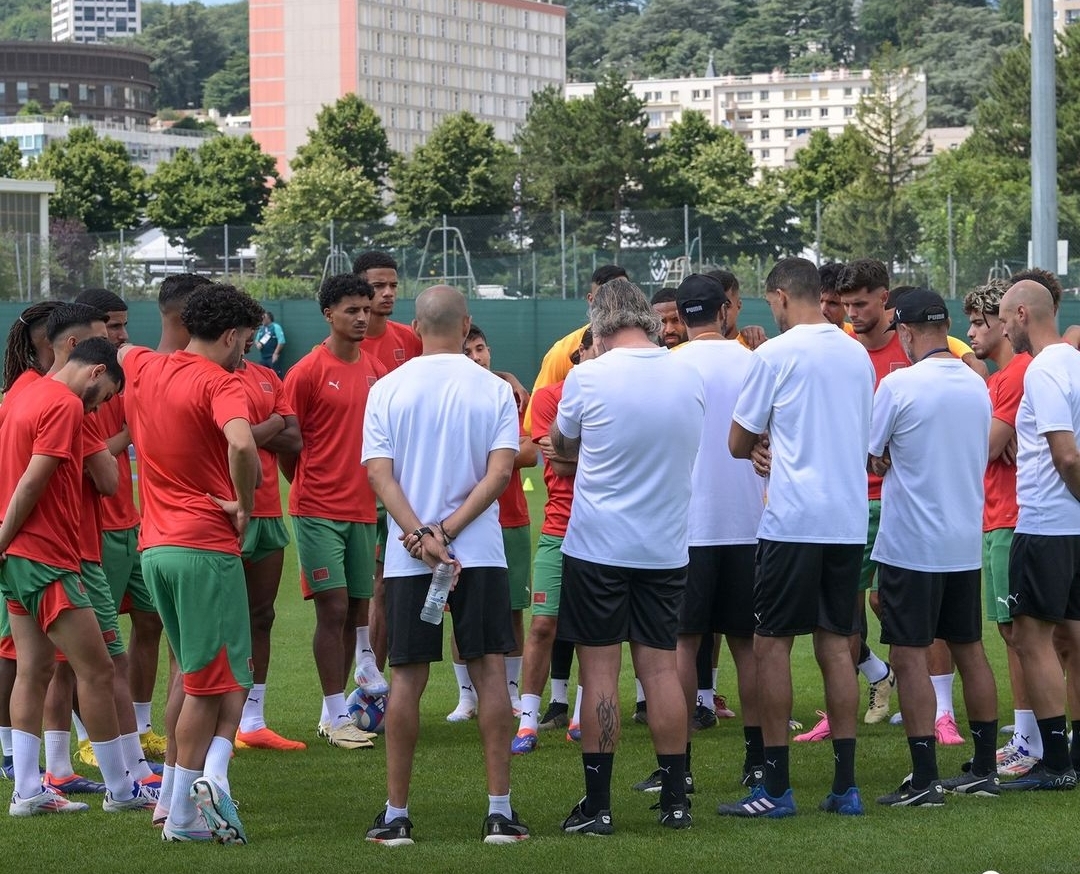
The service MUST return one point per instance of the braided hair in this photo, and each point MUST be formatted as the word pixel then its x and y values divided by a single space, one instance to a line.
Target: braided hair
pixel 20 355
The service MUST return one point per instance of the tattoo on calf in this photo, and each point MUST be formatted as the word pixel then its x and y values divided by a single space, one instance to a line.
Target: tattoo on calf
pixel 607 715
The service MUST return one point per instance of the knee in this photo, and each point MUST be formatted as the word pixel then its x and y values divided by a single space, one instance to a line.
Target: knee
pixel 542 630
pixel 262 617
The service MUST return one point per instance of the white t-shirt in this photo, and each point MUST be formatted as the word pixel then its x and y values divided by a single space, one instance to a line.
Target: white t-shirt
pixel 935 418
pixel 812 388
pixel 639 414
pixel 438 417
pixel 1051 402
pixel 726 496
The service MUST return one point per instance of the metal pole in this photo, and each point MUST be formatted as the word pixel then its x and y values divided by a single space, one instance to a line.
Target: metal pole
pixel 445 266
pixel 817 231
pixel 686 233
pixel 562 248
pixel 1044 207
pixel 121 280
pixel 952 258
pixel 226 239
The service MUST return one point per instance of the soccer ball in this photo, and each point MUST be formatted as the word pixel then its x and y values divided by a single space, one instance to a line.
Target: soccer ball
pixel 367 711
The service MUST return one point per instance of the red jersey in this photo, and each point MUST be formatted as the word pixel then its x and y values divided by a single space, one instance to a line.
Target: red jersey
pixel 329 397
pixel 1006 389
pixel 90 520
pixel 888 358
pixel 266 395
pixel 177 406
pixel 118 512
pixel 45 421
pixel 513 507
pixel 560 489
pixel 397 345
pixel 24 379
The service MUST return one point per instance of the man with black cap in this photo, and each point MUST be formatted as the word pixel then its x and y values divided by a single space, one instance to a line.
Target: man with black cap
pixel 929 544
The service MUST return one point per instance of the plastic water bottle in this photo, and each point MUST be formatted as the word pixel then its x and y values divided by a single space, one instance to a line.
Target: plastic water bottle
pixel 432 610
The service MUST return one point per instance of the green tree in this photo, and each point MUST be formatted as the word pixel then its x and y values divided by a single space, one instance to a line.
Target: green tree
pixel 31 107
pixel 669 186
pixel 226 181
pixel 823 168
pixel 352 131
pixel 10 159
pixel 96 181
pixel 28 24
pixel 187 50
pixel 227 90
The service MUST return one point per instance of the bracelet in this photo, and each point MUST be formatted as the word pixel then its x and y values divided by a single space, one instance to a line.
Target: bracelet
pixel 422 532
pixel 447 539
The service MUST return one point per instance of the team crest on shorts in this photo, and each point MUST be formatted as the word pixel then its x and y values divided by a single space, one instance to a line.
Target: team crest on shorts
pixel 539 597
pixel 109 636
pixel 320 575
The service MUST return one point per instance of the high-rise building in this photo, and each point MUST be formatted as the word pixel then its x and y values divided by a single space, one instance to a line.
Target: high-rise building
pixel 95 20
pixel 1065 12
pixel 413 61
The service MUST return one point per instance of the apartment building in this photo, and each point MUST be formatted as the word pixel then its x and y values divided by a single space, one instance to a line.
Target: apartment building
pixel 95 20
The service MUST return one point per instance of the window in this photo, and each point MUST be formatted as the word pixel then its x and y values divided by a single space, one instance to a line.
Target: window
pixel 849 111
pixel 763 96
pixel 789 113
pixel 764 154
pixel 744 95
pixel 764 134
pixel 744 115
pixel 674 97
pixel 764 115
pixel 823 112
pixel 789 133
pixel 847 92
pixel 803 113
pixel 700 94
pixel 655 119
pixel 22 92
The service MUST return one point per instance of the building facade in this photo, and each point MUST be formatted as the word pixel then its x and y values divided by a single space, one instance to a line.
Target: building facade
pixel 1065 12
pixel 774 113
pixel 95 20
pixel 413 61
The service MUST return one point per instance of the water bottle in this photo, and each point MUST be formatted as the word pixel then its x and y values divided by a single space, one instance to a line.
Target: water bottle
pixel 432 610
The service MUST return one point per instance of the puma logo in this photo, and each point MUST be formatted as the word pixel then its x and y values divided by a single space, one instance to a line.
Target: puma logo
pixel 773 763
pixel 334 384
pixel 594 768
pixel 923 743
pixel 1010 601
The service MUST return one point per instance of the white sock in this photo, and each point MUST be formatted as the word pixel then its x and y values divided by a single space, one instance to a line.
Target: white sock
pixel 5 740
pixel 168 779
pixel 336 710
pixel 80 729
pixel 559 688
pixel 500 804
pixel 142 716
pixel 1027 733
pixel 26 752
pixel 530 712
pixel 513 673
pixel 466 691
pixel 252 718
pixel 182 810
pixel 363 643
pixel 704 698
pixel 110 756
pixel 640 690
pixel 216 766
pixel 714 673
pixel 58 753
pixel 874 669
pixel 943 684
pixel 393 813
pixel 324 714
pixel 135 757
pixel 577 709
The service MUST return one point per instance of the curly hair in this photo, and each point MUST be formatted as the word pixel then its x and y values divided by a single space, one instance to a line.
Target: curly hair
pixel 619 304
pixel 986 299
pixel 868 273
pixel 365 261
pixel 71 315
pixel 334 288
pixel 176 289
pixel 216 308
pixel 1045 278
pixel 19 354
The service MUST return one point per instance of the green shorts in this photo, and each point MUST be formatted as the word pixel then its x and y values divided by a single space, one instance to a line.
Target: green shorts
pixel 517 544
pixel 868 574
pixel 380 531
pixel 335 555
pixel 202 598
pixel 101 599
pixel 265 535
pixel 123 569
pixel 547 576
pixel 32 588
pixel 995 566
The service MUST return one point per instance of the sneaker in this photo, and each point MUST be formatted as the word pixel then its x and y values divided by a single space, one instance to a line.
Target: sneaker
pixel 153 744
pixel 1041 778
pixel 73 785
pixel 579 822
pixel 721 709
pixel 1017 763
pixel 349 737
pixel 524 742
pixel 46 801
pixel 1009 729
pixel 161 814
pixel 396 833
pixel 907 796
pixel 157 767
pixel 653 782
pixel 877 709
pixel 946 731
pixel 793 724
pixel 703 718
pixel 641 713
pixel 86 753
pixel 175 834
pixel 515 707
pixel 897 718
pixel 369 678
pixel 153 781
pixel 1004 752
pixel 753 776
pixel 676 817
pixel 141 798
pixel 556 716
pixel 847 804
pixel 500 830
pixel 322 729
pixel 573 733
pixel 760 803
pixel 266 739
pixel 970 783
pixel 821 731
pixel 462 713
pixel 219 811
pixel 7 768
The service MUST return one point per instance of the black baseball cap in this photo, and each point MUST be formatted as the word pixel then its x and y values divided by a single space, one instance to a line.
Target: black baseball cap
pixel 918 306
pixel 699 294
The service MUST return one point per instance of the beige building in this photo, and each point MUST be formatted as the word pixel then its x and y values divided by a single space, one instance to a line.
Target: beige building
pixel 774 112
pixel 413 61
pixel 1065 12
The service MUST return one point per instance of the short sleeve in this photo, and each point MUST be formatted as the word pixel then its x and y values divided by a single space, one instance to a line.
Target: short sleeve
pixel 228 400
pixel 508 428
pixel 377 442
pixel 93 437
pixel 753 409
pixel 1006 395
pixel 544 410
pixel 571 406
pixel 883 418
pixel 1048 390
pixel 281 402
pixel 58 429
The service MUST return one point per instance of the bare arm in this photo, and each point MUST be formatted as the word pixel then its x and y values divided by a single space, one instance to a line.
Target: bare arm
pixel 975 364
pixel 119 441
pixel 267 430
pixel 286 462
pixel 103 472
pixel 287 439
pixel 564 447
pixel 245 472
pixel 28 492
pixel 526 456
pixel 1001 436
pixel 559 466
pixel 753 336
pixel 521 394
pixel 429 548
pixel 500 466
pixel 741 442
pixel 1066 456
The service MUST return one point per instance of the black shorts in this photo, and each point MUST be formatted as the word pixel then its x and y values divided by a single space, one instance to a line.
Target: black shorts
pixel 719 591
pixel 800 587
pixel 479 605
pixel 1044 576
pixel 918 606
pixel 603 605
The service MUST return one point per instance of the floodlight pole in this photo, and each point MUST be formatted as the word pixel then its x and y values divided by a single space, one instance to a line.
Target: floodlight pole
pixel 1044 206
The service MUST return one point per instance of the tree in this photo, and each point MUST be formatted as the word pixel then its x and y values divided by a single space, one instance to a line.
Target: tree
pixel 823 168
pixel 353 132
pixel 31 107
pixel 187 50
pixel 226 181
pixel 228 90
pixel 10 159
pixel 96 181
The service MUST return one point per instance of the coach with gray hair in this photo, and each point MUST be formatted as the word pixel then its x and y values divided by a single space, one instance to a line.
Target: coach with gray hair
pixel 621 582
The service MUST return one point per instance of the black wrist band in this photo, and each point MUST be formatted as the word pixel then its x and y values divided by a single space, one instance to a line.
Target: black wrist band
pixel 422 532
pixel 447 539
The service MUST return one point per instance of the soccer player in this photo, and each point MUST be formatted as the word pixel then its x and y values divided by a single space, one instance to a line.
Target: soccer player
pixel 331 503
pixel 813 530
pixel 672 330
pixel 441 419
pixel 751 336
pixel 620 582
pixel 40 484
pixel 1044 562
pixel 274 427
pixel 198 470
pixel 832 307
pixel 929 544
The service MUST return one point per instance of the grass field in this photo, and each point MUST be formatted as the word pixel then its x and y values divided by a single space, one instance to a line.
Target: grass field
pixel 308 811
